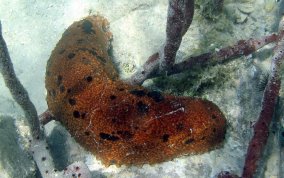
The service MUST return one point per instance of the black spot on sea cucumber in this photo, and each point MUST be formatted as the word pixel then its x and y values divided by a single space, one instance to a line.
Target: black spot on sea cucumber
pixel 165 137
pixel 142 107
pixel 62 88
pixel 114 120
pixel 83 115
pixel 120 118
pixel 213 117
pixel 94 53
pixel 89 78
pixel 76 114
pixel 87 27
pixel 43 158
pixel 72 101
pixel 112 97
pixel 112 162
pixel 179 127
pixel 125 134
pixel 189 141
pixel 138 93
pixel 87 133
pixel 156 96
pixel 59 80
pixel 71 55
pixel 109 137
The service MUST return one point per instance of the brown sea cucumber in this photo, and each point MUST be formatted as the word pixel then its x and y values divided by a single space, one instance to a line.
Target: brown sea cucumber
pixel 118 122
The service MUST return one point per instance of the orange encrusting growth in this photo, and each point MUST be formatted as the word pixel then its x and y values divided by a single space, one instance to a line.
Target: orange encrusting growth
pixel 120 123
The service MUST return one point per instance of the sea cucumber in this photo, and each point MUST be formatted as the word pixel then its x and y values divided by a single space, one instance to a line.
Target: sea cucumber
pixel 118 122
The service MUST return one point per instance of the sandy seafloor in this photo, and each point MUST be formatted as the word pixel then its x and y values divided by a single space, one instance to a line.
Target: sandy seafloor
pixel 32 28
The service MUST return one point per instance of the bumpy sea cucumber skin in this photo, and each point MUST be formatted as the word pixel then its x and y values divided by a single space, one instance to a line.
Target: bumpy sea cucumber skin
pixel 120 123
